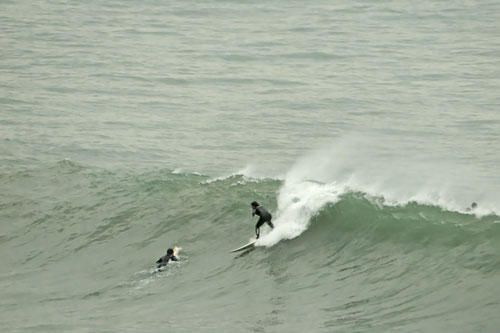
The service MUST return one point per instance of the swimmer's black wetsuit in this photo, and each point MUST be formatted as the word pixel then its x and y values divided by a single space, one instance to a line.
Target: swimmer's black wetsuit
pixel 163 261
pixel 264 217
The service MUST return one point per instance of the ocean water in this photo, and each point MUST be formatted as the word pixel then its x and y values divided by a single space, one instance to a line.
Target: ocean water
pixel 367 128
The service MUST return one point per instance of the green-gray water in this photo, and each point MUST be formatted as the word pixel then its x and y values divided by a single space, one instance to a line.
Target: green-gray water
pixel 366 128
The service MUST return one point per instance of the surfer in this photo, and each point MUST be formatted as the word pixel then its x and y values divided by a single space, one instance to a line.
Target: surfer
pixel 473 206
pixel 163 261
pixel 264 217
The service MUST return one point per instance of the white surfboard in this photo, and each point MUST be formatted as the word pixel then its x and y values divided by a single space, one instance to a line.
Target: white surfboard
pixel 246 246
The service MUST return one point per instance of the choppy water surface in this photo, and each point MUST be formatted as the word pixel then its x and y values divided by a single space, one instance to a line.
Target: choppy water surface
pixel 367 129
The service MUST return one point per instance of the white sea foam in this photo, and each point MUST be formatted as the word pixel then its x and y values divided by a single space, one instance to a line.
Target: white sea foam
pixel 250 173
pixel 357 165
pixel 298 202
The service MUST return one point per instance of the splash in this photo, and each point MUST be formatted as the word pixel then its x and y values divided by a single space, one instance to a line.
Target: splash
pixel 307 188
pixel 393 178
pixel 298 202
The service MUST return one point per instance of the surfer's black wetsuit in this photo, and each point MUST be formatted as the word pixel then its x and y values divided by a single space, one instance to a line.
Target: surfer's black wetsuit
pixel 163 261
pixel 264 217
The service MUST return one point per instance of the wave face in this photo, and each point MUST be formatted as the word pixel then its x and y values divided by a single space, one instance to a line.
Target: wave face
pixel 78 246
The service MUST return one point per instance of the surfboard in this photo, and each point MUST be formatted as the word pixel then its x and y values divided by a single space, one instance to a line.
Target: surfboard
pixel 246 246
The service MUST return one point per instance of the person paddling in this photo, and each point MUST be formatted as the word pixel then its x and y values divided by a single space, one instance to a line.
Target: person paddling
pixel 163 261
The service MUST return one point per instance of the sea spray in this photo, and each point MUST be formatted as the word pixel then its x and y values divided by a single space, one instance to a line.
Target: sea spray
pixel 354 164
pixel 298 202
